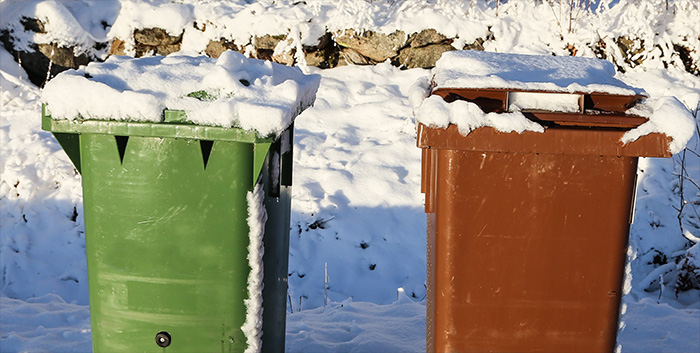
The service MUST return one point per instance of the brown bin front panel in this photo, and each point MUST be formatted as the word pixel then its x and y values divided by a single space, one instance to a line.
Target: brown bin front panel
pixel 527 236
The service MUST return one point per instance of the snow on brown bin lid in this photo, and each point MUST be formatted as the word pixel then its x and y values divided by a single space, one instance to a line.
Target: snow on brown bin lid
pixel 516 93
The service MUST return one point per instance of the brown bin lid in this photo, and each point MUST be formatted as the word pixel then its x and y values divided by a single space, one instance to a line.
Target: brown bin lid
pixel 595 109
pixel 584 108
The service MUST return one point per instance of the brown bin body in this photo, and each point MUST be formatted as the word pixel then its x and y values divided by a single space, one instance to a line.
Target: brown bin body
pixel 527 236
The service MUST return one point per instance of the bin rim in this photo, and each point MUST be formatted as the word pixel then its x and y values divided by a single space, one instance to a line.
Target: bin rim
pixel 595 109
pixel 173 126
pixel 561 140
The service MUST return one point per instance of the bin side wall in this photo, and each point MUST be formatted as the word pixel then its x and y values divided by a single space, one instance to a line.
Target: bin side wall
pixel 166 242
pixel 276 259
pixel 529 251
pixel 276 240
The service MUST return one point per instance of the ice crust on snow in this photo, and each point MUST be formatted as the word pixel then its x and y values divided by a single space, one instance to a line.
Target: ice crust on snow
pixel 239 92
pixel 257 216
pixel 479 69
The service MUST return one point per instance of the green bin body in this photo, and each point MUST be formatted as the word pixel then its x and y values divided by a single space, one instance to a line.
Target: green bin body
pixel 167 236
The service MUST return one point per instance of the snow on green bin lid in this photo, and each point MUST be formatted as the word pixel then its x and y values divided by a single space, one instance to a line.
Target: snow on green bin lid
pixel 537 73
pixel 231 91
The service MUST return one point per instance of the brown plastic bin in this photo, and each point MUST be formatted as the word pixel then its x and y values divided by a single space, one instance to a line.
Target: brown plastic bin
pixel 527 233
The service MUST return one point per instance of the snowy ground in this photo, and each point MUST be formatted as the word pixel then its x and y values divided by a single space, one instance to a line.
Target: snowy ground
pixel 357 179
pixel 357 209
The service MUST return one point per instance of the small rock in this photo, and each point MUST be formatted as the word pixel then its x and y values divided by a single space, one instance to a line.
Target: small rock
pixel 373 45
pixel 324 55
pixel 264 54
pixel 285 57
pixel 45 56
pixel 117 47
pixel 267 42
pixel 42 61
pixel 316 58
pixel 686 57
pixel 63 56
pixel 215 48
pixel 151 41
pixel 423 57
pixel 425 37
pixel 352 57
pixel 155 37
pixel 477 45
pixel 479 42
pixel 33 24
pixel 599 49
pixel 632 50
pixel 167 49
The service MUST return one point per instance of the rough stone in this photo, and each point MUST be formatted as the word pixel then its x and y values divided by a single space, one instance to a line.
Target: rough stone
pixel 425 37
pixel 423 57
pixel 352 57
pixel 43 61
pixel 685 54
pixel 33 24
pixel 264 54
pixel 477 45
pixel 63 56
pixel 267 42
pixel 47 60
pixel 479 42
pixel 160 50
pixel 599 48
pixel 215 48
pixel 155 37
pixel 631 50
pixel 151 41
pixel 316 58
pixel 117 47
pixel 571 49
pixel 373 45
pixel 324 55
pixel 286 57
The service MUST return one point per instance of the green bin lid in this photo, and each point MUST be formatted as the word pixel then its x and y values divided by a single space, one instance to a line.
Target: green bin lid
pixel 173 126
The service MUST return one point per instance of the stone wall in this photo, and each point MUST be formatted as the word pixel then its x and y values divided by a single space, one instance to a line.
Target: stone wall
pixel 347 47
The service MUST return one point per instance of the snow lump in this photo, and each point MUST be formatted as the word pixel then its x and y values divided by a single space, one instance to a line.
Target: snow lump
pixel 231 91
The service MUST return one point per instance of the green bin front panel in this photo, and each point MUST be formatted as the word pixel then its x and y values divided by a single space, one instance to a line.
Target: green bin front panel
pixel 167 236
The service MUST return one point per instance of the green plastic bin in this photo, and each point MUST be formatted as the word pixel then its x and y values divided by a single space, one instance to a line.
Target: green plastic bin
pixel 167 236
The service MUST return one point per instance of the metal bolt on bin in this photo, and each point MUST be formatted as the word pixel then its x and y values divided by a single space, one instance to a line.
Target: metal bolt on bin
pixel 527 232
pixel 167 231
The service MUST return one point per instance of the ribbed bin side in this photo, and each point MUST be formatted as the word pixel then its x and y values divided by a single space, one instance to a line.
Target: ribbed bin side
pixel 166 242
pixel 527 251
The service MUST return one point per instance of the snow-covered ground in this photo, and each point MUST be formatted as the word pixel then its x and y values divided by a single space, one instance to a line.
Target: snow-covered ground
pixel 357 209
